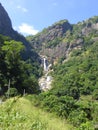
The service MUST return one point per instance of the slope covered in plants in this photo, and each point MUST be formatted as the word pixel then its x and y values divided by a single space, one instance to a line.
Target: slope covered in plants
pixel 19 113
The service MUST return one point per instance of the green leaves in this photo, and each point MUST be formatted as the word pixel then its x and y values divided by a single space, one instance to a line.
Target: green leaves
pixel 13 46
pixel 18 113
pixel 12 50
pixel 22 74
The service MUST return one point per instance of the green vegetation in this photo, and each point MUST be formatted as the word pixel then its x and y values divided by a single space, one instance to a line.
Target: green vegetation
pixel 54 42
pixel 19 113
pixel 14 71
pixel 61 22
pixel 74 92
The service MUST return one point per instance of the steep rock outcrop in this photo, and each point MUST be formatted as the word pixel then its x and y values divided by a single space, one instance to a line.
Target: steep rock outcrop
pixel 54 32
pixel 45 41
pixel 59 40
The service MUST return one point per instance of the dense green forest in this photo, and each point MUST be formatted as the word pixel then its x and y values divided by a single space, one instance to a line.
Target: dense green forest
pixel 74 93
pixel 15 73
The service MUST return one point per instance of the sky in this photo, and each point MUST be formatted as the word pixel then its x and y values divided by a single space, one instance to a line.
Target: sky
pixel 32 16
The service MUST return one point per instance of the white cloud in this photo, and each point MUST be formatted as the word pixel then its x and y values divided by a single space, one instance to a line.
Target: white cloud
pixel 22 9
pixel 26 29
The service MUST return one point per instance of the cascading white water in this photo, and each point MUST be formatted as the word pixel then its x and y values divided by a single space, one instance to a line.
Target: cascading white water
pixel 46 80
pixel 45 65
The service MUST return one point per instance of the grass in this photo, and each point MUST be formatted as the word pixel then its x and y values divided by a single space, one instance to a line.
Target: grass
pixel 20 113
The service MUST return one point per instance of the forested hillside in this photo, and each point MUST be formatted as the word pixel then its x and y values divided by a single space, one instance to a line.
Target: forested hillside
pixel 71 50
pixel 74 92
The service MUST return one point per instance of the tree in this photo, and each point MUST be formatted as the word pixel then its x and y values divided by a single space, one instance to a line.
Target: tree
pixel 17 70
pixel 12 51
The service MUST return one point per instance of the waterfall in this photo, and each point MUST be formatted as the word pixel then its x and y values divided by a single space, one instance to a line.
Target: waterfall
pixel 45 65
pixel 46 80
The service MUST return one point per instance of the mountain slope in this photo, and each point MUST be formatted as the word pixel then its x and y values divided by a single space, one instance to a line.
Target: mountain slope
pixel 19 63
pixel 60 39
pixel 74 92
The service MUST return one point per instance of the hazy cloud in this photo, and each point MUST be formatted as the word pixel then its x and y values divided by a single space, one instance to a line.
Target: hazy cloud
pixel 22 8
pixel 26 29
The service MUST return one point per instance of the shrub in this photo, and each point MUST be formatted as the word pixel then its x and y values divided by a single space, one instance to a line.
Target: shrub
pixel 77 117
pixel 95 94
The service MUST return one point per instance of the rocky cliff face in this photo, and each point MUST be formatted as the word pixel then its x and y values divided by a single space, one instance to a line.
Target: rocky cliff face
pixel 52 33
pixel 56 30
pixel 60 39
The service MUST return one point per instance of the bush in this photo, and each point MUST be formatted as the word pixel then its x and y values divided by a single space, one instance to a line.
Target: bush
pixel 95 94
pixel 77 117
pixel 86 126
